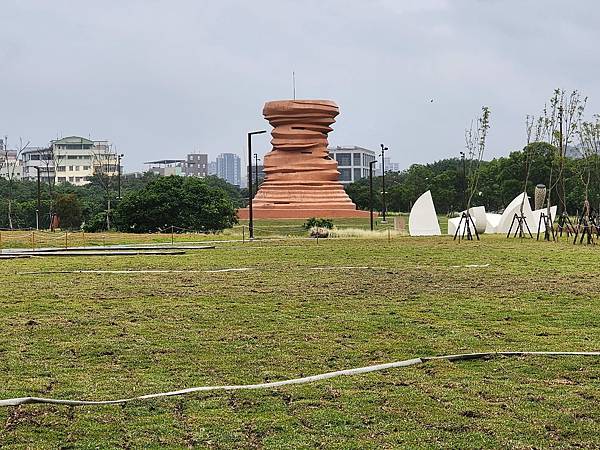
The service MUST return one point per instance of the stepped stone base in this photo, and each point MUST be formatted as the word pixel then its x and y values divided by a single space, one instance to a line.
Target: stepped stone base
pixel 300 213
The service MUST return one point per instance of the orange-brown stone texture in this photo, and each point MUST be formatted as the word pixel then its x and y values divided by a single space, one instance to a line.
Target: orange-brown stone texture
pixel 301 181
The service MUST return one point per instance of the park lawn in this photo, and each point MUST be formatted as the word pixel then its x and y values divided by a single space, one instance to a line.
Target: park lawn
pixel 302 311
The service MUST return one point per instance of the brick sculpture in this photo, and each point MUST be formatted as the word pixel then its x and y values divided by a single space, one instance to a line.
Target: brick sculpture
pixel 301 181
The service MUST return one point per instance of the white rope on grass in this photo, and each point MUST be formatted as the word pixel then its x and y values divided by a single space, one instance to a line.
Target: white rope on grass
pixel 132 271
pixel 310 379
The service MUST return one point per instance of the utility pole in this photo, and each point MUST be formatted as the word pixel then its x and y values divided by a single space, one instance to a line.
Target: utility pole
pixel 250 213
pixel 371 164
pixel 383 209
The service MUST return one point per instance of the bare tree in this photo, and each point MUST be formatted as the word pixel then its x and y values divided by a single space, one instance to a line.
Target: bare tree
pixel 589 146
pixel 558 126
pixel 475 141
pixel 105 162
pixel 10 164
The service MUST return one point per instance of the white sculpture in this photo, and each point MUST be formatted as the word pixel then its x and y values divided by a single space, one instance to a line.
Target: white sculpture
pixel 536 217
pixel 513 208
pixel 492 221
pixel 423 218
pixel 479 219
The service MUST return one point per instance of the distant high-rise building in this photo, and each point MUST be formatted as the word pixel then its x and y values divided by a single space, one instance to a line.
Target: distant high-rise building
pixel 229 168
pixel 197 165
pixel 212 168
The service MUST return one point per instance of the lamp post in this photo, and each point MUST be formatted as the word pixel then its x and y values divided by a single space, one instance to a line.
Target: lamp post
pixel 250 214
pixel 371 164
pixel 464 179
pixel 383 209
pixel 119 174
pixel 37 210
pixel 256 170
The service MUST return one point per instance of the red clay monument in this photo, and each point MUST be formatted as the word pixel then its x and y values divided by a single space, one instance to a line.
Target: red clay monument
pixel 301 181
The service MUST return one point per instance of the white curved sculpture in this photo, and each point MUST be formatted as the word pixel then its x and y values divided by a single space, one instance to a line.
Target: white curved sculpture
pixel 423 218
pixel 479 218
pixel 493 220
pixel 536 217
pixel 513 208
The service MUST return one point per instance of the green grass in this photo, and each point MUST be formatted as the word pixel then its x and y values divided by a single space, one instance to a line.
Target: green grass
pixel 101 336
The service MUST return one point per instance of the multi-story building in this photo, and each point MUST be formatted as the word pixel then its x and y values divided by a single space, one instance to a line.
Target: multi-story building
pixel 353 162
pixel 71 159
pixel 167 167
pixel 229 168
pixel 197 165
pixel 10 164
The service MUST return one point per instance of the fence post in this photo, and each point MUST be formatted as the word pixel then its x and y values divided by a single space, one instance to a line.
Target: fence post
pixel 83 237
pixel 66 239
pixel 1 248
pixel 172 236
pixel 389 238
pixel 33 240
pixel 243 234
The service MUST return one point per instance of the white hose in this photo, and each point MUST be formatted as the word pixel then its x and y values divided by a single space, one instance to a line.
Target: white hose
pixel 309 379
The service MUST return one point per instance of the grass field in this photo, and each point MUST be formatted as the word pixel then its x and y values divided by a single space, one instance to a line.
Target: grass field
pixel 110 335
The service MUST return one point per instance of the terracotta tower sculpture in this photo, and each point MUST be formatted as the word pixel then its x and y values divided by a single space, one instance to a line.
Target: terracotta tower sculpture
pixel 301 180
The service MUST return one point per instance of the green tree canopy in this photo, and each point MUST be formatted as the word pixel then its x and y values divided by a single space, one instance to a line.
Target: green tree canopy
pixel 190 203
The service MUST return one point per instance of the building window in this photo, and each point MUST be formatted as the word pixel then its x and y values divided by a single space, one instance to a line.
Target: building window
pixel 356 157
pixel 70 168
pixel 60 168
pixel 77 168
pixel 62 179
pixel 357 174
pixel 71 178
pixel 343 159
pixel 86 167
pixel 345 175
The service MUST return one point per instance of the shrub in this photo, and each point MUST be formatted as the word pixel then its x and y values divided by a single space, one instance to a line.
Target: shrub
pixel 314 222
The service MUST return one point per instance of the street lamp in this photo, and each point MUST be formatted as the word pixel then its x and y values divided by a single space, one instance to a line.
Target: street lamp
pixel 383 209
pixel 464 179
pixel 37 210
pixel 250 214
pixel 119 171
pixel 371 164
pixel 256 169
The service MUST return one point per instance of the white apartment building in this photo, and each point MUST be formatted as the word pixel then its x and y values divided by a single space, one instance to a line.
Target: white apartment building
pixel 71 159
pixel 353 162
pixel 10 165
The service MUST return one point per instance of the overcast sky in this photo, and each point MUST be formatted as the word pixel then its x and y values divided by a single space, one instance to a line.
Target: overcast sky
pixel 163 78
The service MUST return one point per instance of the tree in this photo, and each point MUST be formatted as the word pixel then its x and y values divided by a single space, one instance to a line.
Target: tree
pixel 69 211
pixel 105 163
pixel 189 203
pixel 9 161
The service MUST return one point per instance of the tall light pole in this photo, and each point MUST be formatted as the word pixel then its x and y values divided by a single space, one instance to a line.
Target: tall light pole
pixel 371 164
pixel 119 171
pixel 37 210
pixel 250 214
pixel 256 170
pixel 383 209
pixel 464 179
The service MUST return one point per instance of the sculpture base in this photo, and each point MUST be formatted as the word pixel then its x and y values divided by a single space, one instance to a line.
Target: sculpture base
pixel 298 213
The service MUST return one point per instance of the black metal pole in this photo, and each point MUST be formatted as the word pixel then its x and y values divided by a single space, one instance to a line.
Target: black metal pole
pixel 383 209
pixel 464 180
pixel 250 215
pixel 39 201
pixel 256 170
pixel 119 179
pixel 371 164
pixel 250 212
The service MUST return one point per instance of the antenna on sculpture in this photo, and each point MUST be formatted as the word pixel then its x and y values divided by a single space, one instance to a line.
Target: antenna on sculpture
pixel 294 83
